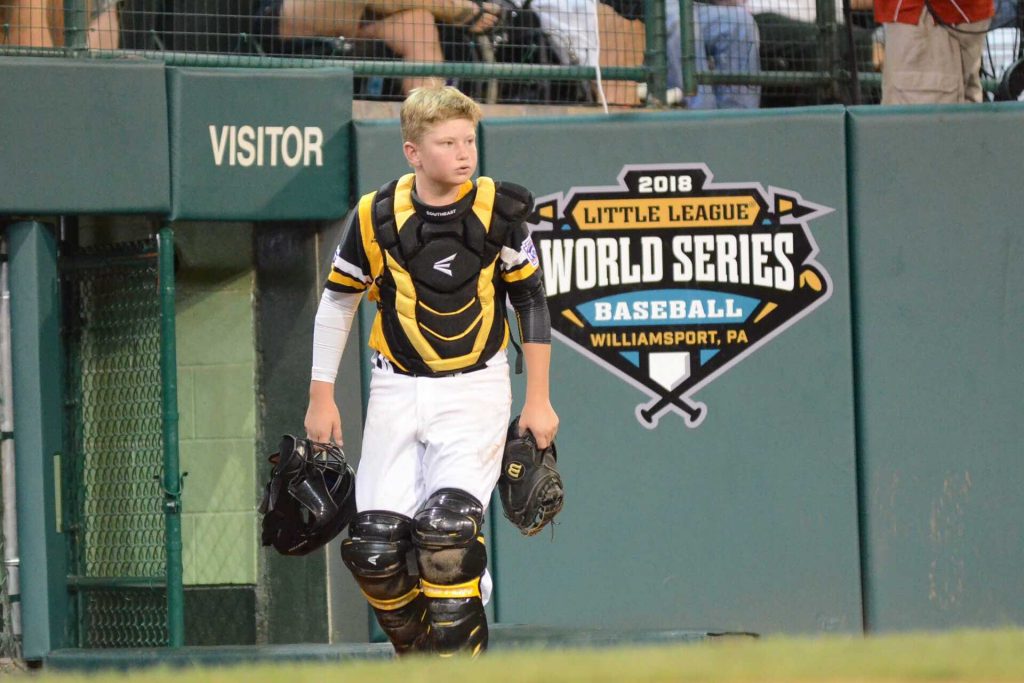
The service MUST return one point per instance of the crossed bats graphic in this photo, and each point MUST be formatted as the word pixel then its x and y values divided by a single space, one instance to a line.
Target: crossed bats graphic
pixel 649 413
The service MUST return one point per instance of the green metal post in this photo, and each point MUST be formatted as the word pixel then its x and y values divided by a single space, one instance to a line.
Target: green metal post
pixel 76 25
pixel 689 54
pixel 654 48
pixel 827 32
pixel 172 478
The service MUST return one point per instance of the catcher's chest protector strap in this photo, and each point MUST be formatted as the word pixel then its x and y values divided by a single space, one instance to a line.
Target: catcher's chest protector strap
pixel 439 310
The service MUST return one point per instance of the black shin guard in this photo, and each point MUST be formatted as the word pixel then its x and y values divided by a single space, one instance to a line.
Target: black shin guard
pixel 456 625
pixel 406 627
pixel 452 559
pixel 377 554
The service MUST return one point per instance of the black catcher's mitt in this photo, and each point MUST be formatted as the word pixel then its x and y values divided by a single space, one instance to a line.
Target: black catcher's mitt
pixel 530 487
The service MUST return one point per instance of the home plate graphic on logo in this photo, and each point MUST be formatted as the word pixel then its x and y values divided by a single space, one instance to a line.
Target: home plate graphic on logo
pixel 668 280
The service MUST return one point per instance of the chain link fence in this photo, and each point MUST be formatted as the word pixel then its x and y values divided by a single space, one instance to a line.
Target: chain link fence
pixel 725 54
pixel 113 486
pixel 9 648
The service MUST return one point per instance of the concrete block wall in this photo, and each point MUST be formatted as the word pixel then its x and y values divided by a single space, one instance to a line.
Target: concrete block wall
pixel 216 402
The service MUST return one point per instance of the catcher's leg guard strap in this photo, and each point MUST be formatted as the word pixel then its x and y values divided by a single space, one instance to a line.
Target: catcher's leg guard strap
pixel 452 558
pixel 377 553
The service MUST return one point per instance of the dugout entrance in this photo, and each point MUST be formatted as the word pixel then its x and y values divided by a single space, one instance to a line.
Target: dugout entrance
pixel 92 260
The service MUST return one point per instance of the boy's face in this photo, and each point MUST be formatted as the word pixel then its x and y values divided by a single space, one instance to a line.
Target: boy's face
pixel 445 157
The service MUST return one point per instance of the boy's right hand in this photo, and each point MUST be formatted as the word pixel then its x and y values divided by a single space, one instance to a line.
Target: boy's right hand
pixel 323 421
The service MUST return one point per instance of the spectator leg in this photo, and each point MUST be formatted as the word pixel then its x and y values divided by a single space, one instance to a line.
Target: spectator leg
pixel 28 24
pixel 105 29
pixel 705 97
pixel 929 64
pixel 40 23
pixel 971 43
pixel 325 18
pixel 411 34
pixel 732 43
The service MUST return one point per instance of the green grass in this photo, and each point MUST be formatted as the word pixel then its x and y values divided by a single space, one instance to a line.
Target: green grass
pixel 956 656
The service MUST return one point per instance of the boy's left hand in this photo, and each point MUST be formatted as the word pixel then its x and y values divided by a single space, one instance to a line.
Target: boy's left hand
pixel 541 420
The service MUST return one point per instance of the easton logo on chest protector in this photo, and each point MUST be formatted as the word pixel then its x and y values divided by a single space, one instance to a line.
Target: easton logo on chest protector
pixel 445 264
pixel 668 280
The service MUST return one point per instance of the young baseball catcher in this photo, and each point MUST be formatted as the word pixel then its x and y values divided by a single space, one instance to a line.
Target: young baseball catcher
pixel 438 253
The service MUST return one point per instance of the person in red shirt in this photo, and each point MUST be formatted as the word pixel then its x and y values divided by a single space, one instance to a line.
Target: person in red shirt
pixel 933 49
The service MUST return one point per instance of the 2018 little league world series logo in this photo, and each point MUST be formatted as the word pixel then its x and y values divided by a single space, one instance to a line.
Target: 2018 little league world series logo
pixel 668 280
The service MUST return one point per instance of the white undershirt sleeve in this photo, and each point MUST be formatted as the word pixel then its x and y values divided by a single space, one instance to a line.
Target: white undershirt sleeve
pixel 334 318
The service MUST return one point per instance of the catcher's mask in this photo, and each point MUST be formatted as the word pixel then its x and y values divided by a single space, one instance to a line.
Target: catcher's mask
pixel 310 497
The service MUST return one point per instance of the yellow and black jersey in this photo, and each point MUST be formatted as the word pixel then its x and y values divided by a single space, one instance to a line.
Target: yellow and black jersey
pixel 439 275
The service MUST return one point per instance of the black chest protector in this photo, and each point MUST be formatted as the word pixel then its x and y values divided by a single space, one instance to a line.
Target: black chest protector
pixel 442 303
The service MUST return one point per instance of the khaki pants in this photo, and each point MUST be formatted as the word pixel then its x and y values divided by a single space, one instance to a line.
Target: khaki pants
pixel 932 64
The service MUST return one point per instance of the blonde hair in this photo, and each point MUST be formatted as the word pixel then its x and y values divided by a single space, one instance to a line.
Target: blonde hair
pixel 432 104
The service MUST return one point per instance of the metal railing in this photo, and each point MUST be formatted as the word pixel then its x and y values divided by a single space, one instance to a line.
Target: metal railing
pixel 553 51
pixel 10 617
pixel 627 52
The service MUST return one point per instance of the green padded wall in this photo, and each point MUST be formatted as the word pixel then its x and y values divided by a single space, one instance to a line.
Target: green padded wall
pixel 251 144
pixel 378 154
pixel 83 137
pixel 938 248
pixel 749 520
pixel 37 353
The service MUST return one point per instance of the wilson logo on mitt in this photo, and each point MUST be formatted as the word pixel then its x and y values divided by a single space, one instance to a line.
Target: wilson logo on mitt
pixel 530 486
